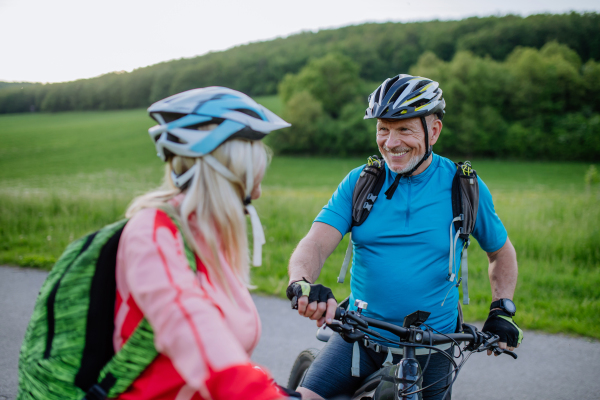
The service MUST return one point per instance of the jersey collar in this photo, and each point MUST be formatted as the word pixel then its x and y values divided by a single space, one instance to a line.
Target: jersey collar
pixel 423 176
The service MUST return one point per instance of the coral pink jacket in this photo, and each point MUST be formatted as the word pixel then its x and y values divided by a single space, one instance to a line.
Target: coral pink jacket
pixel 204 339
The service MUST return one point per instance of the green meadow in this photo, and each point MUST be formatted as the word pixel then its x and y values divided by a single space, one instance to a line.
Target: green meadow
pixel 65 174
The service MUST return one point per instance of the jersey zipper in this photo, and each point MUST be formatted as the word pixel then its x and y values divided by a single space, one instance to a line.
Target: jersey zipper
pixel 407 224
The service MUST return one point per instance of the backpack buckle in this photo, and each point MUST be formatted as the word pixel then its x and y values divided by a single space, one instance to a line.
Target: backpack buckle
pixel 368 205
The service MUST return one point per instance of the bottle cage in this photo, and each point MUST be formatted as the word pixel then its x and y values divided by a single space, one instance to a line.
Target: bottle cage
pixel 465 203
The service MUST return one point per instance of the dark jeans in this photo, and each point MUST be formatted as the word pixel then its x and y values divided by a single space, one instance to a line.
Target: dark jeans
pixel 330 374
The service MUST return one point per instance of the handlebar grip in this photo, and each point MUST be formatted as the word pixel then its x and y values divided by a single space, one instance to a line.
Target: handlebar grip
pixel 339 312
pixel 295 303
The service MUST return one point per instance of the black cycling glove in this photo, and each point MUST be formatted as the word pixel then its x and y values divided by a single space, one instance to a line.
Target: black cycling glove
pixel 500 323
pixel 315 292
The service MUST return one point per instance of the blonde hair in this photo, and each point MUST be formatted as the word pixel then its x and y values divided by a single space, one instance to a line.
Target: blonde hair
pixel 216 202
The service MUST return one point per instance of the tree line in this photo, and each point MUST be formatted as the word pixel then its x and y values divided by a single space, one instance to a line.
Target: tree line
pixel 379 50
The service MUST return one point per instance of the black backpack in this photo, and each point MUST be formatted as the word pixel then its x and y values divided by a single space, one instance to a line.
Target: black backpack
pixel 465 202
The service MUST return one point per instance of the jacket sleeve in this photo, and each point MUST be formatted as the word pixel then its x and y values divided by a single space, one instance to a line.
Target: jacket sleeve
pixel 188 327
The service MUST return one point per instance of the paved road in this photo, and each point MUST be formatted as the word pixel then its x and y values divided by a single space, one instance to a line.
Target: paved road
pixel 550 367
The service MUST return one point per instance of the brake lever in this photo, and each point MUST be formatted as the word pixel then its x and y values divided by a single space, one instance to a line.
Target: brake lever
pixel 491 342
pixel 336 326
pixel 498 350
pixel 354 318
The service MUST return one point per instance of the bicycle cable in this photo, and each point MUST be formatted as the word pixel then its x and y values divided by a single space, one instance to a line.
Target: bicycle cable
pixel 443 334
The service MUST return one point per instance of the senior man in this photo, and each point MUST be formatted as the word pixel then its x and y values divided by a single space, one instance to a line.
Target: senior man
pixel 401 252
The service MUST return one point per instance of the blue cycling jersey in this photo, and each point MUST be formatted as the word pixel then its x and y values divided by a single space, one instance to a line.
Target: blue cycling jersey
pixel 401 252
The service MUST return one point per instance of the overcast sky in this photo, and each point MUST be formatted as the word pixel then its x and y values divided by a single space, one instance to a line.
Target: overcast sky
pixel 61 40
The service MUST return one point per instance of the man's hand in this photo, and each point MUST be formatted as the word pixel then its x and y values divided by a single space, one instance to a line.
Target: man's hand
pixel 312 301
pixel 500 323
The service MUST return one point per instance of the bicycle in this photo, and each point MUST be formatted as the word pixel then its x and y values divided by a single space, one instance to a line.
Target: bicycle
pixel 402 380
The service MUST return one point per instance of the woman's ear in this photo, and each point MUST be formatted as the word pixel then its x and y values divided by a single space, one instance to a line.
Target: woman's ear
pixel 256 191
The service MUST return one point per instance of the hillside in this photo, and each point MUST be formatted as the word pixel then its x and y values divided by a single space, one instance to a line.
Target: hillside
pixel 380 50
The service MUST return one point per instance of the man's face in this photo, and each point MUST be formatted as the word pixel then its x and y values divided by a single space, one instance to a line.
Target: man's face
pixel 401 143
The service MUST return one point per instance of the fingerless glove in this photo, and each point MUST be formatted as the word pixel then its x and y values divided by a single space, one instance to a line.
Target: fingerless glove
pixel 500 323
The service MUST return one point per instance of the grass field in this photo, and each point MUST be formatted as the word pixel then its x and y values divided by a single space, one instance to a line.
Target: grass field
pixel 63 175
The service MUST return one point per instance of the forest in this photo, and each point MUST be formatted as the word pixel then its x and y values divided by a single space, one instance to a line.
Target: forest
pixel 515 87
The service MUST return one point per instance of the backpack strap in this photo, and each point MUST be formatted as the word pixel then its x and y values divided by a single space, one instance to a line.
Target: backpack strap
pixel 365 193
pixel 128 363
pixel 465 204
pixel 367 189
pixel 100 326
pixel 139 351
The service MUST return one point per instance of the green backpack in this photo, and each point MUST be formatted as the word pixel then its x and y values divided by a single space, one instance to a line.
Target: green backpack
pixel 68 349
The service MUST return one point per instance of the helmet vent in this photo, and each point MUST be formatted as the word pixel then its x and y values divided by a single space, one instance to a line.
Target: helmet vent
pixel 376 97
pixel 203 126
pixel 249 112
pixel 390 84
pixel 173 138
pixel 170 117
pixel 421 84
pixel 420 103
pixel 397 94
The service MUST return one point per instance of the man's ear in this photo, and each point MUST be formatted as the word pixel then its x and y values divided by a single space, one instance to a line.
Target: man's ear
pixel 435 130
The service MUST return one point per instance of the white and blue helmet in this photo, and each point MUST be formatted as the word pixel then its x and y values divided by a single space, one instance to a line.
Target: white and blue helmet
pixel 196 122
pixel 180 117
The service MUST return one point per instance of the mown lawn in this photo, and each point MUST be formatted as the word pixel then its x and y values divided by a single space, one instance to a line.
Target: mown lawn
pixel 63 175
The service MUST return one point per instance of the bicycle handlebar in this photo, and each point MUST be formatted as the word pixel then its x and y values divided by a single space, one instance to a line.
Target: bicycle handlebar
pixel 351 321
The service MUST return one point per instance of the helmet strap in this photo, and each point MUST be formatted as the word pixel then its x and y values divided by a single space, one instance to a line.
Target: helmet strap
pixel 183 180
pixel 258 235
pixel 427 147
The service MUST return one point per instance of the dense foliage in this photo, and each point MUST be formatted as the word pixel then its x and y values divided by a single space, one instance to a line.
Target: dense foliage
pixel 536 104
pixel 325 103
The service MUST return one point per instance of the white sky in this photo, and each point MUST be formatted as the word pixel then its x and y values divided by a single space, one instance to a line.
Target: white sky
pixel 61 40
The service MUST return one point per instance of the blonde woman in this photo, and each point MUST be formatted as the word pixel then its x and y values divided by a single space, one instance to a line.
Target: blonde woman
pixel 205 322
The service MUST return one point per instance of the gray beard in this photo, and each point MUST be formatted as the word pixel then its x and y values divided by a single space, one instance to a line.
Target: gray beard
pixel 414 160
